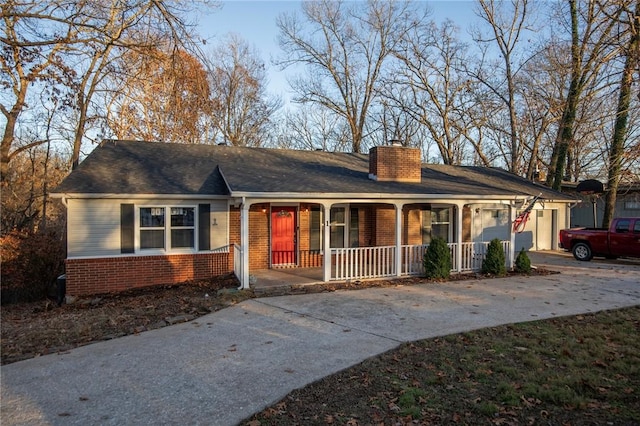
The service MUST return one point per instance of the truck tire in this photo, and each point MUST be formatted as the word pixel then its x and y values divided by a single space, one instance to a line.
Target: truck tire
pixel 582 252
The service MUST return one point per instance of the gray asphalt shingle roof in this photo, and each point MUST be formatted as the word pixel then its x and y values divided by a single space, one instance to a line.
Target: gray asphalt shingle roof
pixel 131 167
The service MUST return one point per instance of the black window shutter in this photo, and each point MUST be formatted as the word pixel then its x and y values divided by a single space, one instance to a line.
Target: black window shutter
pixel 127 228
pixel 204 226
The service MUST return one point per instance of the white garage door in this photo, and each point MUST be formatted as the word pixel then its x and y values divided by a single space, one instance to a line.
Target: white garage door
pixel 544 226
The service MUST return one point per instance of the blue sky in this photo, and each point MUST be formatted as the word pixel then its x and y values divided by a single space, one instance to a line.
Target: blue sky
pixel 255 21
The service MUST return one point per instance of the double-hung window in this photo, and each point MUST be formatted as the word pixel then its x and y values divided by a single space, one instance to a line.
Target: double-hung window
pixel 337 227
pixel 156 232
pixel 152 226
pixel 182 227
pixel 436 223
pixel 344 227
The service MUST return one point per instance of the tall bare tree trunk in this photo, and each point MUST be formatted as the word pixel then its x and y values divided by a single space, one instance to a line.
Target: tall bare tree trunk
pixel 622 115
pixel 7 139
pixel 565 131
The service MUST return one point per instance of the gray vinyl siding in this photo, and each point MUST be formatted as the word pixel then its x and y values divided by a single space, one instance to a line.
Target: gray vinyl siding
pixel 93 228
pixel 582 213
pixel 94 225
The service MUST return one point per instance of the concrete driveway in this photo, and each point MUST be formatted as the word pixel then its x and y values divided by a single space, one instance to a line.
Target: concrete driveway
pixel 225 366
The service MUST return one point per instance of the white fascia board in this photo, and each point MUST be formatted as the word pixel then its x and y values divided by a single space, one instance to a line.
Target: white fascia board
pixel 139 196
pixel 265 196
pixel 224 179
pixel 337 195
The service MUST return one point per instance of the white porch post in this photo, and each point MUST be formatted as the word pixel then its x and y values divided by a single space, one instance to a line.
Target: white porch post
pixel 326 243
pixel 398 239
pixel 244 241
pixel 459 207
pixel 512 235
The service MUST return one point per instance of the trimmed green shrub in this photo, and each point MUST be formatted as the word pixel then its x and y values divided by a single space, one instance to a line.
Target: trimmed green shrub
pixel 437 259
pixel 523 264
pixel 494 262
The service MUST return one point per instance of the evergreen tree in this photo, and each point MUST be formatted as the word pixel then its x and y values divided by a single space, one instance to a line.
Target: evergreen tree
pixel 494 262
pixel 437 259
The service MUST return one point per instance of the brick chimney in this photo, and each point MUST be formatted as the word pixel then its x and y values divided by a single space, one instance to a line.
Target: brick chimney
pixel 394 163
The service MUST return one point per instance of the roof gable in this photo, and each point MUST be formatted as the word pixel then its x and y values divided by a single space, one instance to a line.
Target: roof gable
pixel 124 167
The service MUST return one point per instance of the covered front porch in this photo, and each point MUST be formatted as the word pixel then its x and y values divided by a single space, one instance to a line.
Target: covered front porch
pixel 343 240
pixel 358 264
pixel 381 262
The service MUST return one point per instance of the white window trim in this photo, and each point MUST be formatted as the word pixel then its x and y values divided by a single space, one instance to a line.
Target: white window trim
pixel 346 224
pixel 167 230
pixel 449 227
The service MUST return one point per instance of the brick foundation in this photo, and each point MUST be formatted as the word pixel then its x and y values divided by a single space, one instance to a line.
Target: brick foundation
pixel 106 275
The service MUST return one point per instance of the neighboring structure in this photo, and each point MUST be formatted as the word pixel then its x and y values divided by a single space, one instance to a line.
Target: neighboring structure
pixel 627 205
pixel 149 213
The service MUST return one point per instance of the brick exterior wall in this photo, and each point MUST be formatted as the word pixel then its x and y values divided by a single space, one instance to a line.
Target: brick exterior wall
pixel 367 225
pixel 395 163
pixel 412 224
pixel 466 224
pixel 385 225
pixel 107 275
pixel 259 236
pixel 234 226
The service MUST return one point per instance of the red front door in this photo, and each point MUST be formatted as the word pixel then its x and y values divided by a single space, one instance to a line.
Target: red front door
pixel 283 236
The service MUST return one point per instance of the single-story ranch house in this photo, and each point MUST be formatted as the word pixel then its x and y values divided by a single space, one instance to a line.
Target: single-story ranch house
pixel 151 213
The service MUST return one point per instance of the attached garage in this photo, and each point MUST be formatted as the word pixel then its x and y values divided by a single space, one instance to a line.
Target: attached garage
pixel 541 231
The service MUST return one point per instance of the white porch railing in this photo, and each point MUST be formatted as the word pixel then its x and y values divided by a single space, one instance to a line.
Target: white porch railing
pixel 237 261
pixel 363 263
pixel 474 253
pixel 379 262
pixel 472 256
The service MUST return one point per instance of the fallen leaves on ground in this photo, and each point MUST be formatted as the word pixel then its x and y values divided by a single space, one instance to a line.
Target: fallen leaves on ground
pixel 33 329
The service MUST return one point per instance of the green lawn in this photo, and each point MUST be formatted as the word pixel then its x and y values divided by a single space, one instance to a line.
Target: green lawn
pixel 575 370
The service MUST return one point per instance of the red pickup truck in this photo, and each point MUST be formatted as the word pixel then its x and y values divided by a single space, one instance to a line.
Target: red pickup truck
pixel 621 239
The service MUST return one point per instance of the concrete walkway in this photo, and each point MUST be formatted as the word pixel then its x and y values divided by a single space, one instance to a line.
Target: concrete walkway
pixel 221 368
